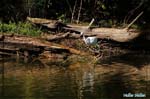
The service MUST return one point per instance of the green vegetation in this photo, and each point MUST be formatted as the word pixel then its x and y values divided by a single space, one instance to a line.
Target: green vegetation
pixel 108 13
pixel 21 28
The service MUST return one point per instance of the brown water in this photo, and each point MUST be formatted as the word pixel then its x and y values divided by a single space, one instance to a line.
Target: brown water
pixel 77 78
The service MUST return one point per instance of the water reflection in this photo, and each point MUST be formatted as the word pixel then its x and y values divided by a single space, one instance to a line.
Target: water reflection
pixel 77 80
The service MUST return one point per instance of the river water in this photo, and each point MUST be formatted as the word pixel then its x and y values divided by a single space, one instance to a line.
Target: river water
pixel 115 77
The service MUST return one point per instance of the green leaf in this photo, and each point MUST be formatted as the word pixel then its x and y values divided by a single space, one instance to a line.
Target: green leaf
pixel 103 6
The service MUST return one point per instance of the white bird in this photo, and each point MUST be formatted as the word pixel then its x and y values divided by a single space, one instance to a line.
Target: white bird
pixel 89 40
pixel 92 43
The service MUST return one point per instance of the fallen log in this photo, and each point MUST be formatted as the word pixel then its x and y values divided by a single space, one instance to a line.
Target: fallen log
pixel 42 21
pixel 49 24
pixel 119 35
pixel 116 34
pixel 33 46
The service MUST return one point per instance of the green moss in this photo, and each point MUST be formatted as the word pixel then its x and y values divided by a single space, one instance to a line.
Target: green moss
pixel 20 28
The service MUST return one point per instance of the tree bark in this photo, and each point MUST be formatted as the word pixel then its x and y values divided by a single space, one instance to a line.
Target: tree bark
pixel 119 35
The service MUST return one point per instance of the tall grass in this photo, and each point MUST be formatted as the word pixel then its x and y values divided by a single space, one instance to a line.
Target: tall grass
pixel 21 28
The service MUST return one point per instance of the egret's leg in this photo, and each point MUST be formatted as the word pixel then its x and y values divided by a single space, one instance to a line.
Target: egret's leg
pixel 91 49
pixel 94 48
pixel 99 51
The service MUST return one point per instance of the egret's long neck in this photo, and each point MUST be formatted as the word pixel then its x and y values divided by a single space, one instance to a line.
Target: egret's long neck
pixel 84 38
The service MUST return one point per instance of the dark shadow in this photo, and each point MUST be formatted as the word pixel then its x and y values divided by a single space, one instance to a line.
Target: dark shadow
pixel 136 59
pixel 114 87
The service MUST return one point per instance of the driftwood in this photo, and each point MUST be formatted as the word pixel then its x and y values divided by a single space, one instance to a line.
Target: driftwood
pixel 49 24
pixel 28 46
pixel 119 35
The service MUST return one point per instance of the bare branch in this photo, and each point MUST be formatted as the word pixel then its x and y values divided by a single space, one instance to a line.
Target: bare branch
pixel 134 20
pixel 79 12
pixel 74 8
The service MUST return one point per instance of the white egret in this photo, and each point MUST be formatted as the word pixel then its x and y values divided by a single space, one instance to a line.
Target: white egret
pixel 89 40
